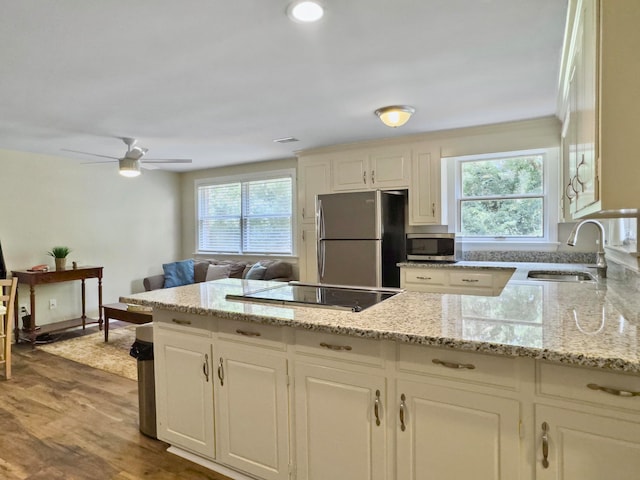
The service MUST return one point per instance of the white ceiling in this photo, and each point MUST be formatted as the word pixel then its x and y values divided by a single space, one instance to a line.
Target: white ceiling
pixel 217 81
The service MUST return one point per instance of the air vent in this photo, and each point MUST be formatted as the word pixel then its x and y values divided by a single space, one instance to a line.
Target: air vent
pixel 286 140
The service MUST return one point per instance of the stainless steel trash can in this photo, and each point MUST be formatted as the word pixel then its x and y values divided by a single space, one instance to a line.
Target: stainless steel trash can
pixel 142 349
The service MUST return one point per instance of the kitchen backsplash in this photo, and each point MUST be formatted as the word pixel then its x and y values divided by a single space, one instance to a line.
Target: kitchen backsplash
pixel 526 256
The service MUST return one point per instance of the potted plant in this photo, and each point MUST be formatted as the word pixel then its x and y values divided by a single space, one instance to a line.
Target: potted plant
pixel 60 256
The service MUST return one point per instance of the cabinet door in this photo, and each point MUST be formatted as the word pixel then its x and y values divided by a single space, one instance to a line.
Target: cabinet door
pixel 390 168
pixel 252 410
pixel 338 434
pixel 583 446
pixel 314 179
pixel 425 205
pixel 308 260
pixel 350 172
pixel 184 390
pixel 451 434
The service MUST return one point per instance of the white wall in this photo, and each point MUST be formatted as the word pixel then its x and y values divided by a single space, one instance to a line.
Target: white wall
pixel 128 226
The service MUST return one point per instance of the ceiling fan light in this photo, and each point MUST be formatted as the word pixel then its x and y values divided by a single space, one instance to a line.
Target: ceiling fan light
pixel 395 115
pixel 129 167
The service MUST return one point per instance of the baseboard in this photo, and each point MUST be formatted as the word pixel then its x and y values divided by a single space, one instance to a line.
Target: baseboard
pixel 216 467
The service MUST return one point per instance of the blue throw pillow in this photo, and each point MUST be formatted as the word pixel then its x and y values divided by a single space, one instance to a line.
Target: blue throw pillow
pixel 256 272
pixel 178 273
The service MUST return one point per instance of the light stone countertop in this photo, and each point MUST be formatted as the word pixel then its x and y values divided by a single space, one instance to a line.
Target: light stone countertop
pixel 586 324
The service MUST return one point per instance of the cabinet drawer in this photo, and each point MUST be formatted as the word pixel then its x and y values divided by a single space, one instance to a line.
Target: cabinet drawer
pixel 340 347
pixel 184 321
pixel 468 279
pixel 571 383
pixel 491 370
pixel 425 276
pixel 252 333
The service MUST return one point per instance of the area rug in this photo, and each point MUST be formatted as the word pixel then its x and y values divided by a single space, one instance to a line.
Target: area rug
pixel 92 350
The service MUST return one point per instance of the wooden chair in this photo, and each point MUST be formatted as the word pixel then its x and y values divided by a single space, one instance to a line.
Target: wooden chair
pixel 7 301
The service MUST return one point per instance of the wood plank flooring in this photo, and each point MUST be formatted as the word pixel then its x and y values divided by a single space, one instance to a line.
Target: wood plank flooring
pixel 63 420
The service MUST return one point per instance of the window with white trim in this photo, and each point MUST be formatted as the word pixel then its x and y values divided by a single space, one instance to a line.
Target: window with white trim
pixel 246 215
pixel 507 197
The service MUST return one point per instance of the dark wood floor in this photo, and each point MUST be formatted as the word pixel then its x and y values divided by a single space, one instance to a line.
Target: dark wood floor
pixel 63 420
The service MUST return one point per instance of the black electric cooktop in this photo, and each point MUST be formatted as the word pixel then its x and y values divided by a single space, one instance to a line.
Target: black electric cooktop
pixel 354 299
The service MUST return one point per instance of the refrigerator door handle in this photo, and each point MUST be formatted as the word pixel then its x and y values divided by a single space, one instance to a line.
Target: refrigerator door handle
pixel 319 247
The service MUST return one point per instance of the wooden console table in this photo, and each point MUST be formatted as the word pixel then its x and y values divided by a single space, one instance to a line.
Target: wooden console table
pixel 56 276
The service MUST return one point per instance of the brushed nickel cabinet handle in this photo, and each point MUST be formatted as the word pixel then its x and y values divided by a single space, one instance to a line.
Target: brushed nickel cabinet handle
pixel 335 347
pixel 423 278
pixel 303 213
pixel 470 280
pixel 403 406
pixel 221 372
pixel 181 322
pixel 545 445
pixel 246 333
pixel 459 366
pixel 373 176
pixel 376 407
pixel 205 366
pixel 364 177
pixel 613 391
pixel 433 209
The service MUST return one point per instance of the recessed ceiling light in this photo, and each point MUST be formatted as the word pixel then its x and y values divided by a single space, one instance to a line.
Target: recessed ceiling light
pixel 305 11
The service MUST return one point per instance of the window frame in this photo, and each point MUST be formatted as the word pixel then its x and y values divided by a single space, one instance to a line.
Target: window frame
pixel 244 178
pixel 550 199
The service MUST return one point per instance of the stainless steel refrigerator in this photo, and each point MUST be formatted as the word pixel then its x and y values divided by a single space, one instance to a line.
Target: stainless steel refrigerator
pixel 361 238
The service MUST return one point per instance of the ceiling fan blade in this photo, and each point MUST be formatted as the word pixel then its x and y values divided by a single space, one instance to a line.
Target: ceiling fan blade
pixel 167 160
pixel 89 153
pixel 96 163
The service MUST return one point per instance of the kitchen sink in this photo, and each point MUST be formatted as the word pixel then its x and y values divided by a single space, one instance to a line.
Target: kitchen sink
pixel 559 276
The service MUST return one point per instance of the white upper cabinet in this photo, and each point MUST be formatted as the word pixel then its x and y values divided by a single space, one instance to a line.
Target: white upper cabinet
pixel 601 98
pixel 378 168
pixel 425 197
pixel 314 178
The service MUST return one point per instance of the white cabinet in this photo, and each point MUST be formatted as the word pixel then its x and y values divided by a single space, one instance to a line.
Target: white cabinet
pixel 584 446
pixel 604 109
pixel 184 389
pixel 455 280
pixel 308 258
pixel 447 434
pixel 314 178
pixel 252 410
pixel 340 425
pixel 425 195
pixel 380 168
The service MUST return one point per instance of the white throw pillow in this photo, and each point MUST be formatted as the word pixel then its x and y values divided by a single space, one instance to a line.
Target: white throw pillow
pixel 216 272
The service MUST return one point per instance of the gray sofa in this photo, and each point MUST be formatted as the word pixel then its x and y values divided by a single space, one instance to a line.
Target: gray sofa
pixel 277 270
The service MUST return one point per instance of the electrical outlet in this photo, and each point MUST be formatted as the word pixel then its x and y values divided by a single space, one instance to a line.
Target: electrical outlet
pixel 52 303
pixel 23 306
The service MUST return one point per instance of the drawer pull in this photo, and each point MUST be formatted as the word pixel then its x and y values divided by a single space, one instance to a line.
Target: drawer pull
pixel 335 347
pixel 221 372
pixel 470 280
pixel 376 407
pixel 403 407
pixel 467 366
pixel 613 391
pixel 181 322
pixel 423 278
pixel 247 333
pixel 545 445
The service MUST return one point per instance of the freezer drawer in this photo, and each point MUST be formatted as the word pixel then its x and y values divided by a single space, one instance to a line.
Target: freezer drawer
pixel 350 262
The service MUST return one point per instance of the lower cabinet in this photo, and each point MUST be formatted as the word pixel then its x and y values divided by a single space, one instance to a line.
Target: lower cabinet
pixel 340 424
pixel 574 445
pixel 252 410
pixel 447 434
pixel 184 390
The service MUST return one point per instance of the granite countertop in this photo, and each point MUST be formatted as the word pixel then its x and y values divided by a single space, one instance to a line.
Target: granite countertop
pixel 587 324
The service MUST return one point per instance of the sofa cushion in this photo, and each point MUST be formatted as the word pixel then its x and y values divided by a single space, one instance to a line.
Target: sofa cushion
pixel 236 268
pixel 178 273
pixel 200 269
pixel 256 272
pixel 276 269
pixel 216 272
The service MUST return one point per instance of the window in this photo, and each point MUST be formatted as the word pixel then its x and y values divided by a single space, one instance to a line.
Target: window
pixel 506 197
pixel 246 215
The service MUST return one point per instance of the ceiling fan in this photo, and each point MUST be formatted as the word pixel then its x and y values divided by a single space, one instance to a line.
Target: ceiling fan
pixel 129 164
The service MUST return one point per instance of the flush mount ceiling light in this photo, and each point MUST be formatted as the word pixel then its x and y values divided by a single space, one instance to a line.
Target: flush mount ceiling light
pixel 129 167
pixel 305 11
pixel 395 115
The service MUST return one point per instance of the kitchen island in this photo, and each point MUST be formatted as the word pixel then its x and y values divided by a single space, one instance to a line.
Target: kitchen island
pixel 536 382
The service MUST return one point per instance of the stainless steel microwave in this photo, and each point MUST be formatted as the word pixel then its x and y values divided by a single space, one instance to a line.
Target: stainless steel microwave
pixel 433 247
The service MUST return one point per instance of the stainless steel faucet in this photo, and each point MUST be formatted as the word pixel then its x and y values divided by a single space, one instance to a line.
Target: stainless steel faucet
pixel 601 263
